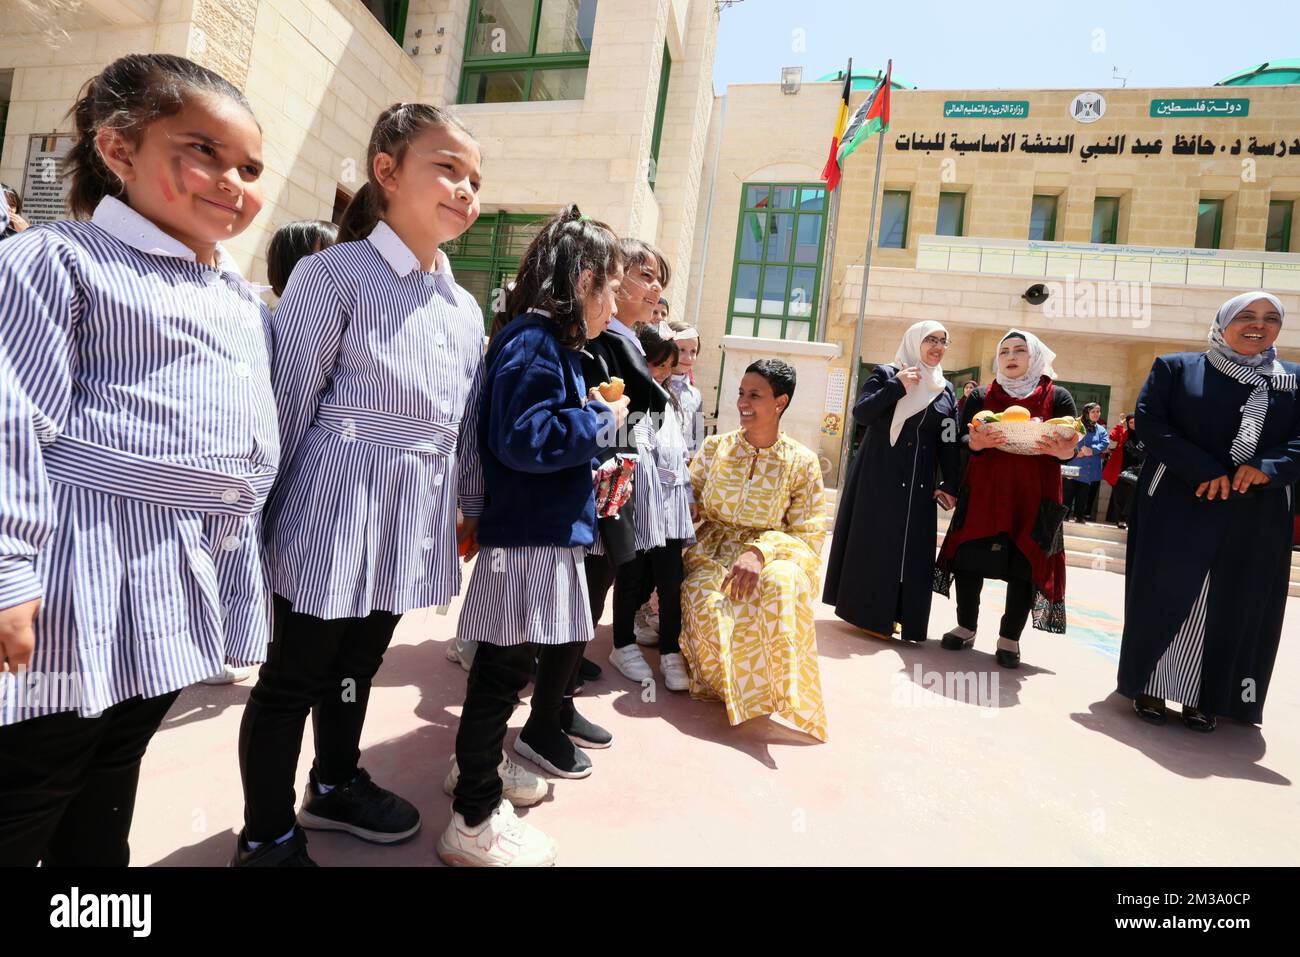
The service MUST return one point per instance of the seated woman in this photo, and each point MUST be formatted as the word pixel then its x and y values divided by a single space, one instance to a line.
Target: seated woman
pixel 1209 549
pixel 1007 523
pixel 752 578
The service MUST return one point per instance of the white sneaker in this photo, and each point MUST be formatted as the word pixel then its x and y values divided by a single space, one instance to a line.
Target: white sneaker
pixel 632 663
pixel 229 676
pixel 674 668
pixel 501 841
pixel 520 787
pixel 646 628
pixel 462 652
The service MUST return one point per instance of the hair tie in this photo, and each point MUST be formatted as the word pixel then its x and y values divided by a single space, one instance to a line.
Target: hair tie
pixel 665 331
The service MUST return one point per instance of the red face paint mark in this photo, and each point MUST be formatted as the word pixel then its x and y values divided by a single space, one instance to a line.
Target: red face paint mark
pixel 166 189
pixel 177 177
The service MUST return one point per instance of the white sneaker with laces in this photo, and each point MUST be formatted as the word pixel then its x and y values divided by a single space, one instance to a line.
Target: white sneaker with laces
pixel 520 787
pixel 632 663
pixel 674 668
pixel 501 841
pixel 646 628
pixel 229 676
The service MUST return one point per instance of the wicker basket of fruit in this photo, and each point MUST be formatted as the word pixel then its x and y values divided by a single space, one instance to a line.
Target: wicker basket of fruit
pixel 1022 431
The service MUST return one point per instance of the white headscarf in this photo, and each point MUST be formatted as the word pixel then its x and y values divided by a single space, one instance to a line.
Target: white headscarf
pixel 932 380
pixel 1228 312
pixel 1040 364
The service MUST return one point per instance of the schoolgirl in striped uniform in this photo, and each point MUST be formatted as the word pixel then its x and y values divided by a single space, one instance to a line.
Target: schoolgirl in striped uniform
pixel 377 353
pixel 682 383
pixel 659 568
pixel 139 443
pixel 540 430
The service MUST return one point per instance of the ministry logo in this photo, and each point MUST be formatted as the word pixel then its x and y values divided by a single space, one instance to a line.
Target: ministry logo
pixel 1088 107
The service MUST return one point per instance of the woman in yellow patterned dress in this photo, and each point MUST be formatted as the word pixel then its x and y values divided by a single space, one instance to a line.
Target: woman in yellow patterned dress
pixel 753 577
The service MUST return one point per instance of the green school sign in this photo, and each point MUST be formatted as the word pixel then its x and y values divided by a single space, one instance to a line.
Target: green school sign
pixel 985 109
pixel 1220 107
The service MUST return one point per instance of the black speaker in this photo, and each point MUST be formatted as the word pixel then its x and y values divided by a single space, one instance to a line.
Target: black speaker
pixel 1035 295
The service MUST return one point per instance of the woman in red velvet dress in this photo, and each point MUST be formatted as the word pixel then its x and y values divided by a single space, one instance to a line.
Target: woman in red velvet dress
pixel 1007 523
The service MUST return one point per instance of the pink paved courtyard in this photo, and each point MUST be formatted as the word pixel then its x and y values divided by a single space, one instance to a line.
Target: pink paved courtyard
pixel 1047 766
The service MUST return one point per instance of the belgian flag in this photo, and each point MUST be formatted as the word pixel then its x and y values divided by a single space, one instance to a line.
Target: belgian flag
pixel 831 171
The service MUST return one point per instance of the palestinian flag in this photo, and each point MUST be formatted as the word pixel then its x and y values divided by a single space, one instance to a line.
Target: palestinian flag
pixel 870 118
pixel 831 171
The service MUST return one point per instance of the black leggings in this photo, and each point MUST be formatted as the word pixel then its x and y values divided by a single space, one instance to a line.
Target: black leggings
pixel 321 667
pixel 69 784
pixel 659 568
pixel 497 676
pixel 1020 600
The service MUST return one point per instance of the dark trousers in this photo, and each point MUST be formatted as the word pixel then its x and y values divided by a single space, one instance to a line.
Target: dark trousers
pixel 600 572
pixel 319 666
pixel 1020 599
pixel 1079 498
pixel 655 568
pixel 1121 498
pixel 68 784
pixel 495 680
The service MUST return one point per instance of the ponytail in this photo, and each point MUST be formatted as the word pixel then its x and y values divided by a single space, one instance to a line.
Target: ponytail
pixel 361 216
pixel 549 272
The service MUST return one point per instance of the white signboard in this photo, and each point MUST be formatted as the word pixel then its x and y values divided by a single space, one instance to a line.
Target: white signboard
pixel 45 191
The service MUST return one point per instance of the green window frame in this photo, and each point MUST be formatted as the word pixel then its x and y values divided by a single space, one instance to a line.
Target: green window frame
pixel 1085 392
pixel 1105 220
pixel 392 14
pixel 780 250
pixel 1209 224
pixel 895 211
pixel 951 219
pixel 486 256
pixel 1042 218
pixel 660 107
pixel 517 71
pixel 1278 238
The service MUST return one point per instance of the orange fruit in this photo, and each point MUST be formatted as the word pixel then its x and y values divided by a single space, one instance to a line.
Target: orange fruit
pixel 1015 413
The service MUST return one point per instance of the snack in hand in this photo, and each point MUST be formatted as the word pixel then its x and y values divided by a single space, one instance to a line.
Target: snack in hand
pixel 612 390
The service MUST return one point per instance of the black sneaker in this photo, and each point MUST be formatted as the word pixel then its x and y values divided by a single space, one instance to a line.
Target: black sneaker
pixel 361 808
pixel 292 853
pixel 585 733
pixel 588 670
pixel 553 753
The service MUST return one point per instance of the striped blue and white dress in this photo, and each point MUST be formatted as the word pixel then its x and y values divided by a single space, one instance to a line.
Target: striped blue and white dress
pixel 377 369
pixel 139 443
pixel 691 411
pixel 670 455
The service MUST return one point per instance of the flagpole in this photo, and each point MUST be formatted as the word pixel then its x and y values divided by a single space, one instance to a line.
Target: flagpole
pixel 833 219
pixel 855 360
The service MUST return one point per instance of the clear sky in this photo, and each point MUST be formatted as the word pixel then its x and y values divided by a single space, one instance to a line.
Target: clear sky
pixel 1040 44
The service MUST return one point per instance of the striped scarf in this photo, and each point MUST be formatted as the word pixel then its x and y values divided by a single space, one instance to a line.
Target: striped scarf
pixel 1256 407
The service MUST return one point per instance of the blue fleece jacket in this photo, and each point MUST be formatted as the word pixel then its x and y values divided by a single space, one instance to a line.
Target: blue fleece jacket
pixel 537 440
pixel 1090 466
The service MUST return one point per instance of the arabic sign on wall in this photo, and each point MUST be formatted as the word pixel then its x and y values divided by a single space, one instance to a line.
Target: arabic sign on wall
pixel 1212 107
pixel 1007 109
pixel 1198 145
pixel 1088 107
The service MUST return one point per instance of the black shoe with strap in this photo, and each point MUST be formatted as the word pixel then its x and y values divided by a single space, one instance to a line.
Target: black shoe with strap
pixel 1150 709
pixel 1197 720
pixel 292 853
pixel 584 733
pixel 955 642
pixel 360 808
